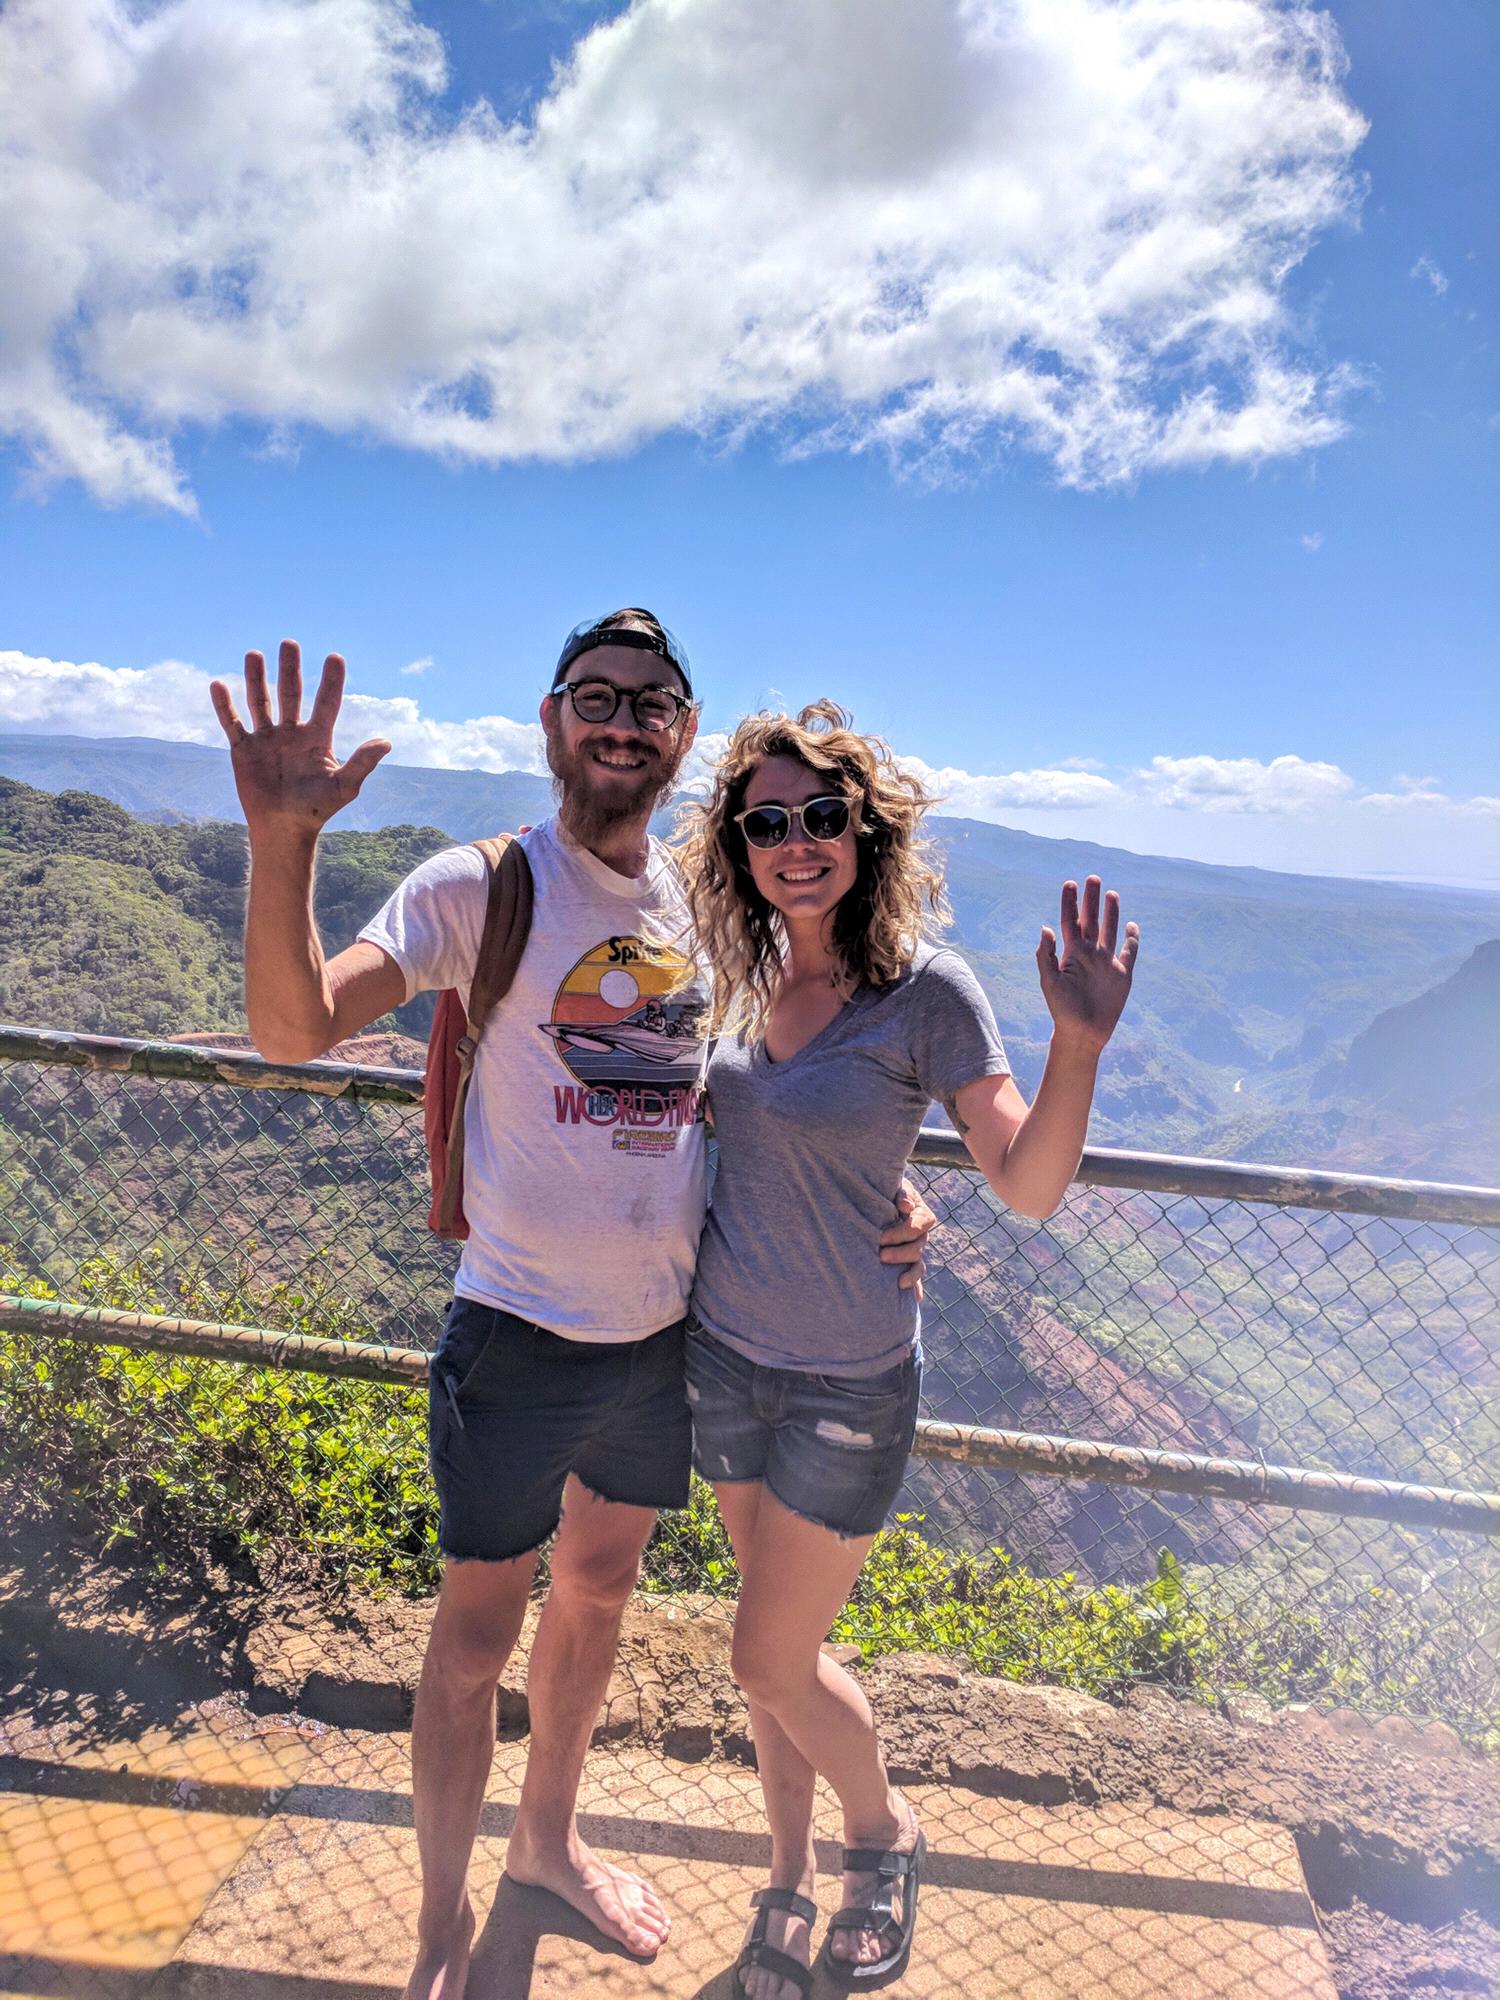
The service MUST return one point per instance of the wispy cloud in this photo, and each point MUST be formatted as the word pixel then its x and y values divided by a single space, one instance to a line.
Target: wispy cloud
pixel 840 225
pixel 422 666
pixel 1313 542
pixel 170 700
pixel 973 796
pixel 1423 795
pixel 1425 268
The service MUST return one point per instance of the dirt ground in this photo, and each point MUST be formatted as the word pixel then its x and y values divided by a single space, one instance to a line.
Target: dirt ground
pixel 1398 1827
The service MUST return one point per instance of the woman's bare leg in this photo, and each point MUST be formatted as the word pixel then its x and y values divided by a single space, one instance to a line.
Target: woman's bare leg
pixel 786 1778
pixel 795 1578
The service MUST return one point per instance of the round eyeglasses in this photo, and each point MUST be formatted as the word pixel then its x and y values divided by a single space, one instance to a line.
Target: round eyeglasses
pixel 820 819
pixel 654 708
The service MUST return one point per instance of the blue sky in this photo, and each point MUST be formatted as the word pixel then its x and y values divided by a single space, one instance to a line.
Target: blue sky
pixel 1240 608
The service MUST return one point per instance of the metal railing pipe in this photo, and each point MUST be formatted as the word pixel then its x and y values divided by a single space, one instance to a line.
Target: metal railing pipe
pixel 1297 1488
pixel 211 1340
pixel 1101 1166
pixel 1252 1481
pixel 1237 1180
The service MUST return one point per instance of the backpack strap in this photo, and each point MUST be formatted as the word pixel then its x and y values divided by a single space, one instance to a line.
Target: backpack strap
pixel 507 924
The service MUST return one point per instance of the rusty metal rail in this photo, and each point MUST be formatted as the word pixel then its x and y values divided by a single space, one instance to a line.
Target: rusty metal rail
pixel 1152 1173
pixel 1263 1485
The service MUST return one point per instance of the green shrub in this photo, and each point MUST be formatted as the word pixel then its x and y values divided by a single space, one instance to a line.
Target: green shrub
pixel 329 1477
pixel 911 1596
pixel 286 1468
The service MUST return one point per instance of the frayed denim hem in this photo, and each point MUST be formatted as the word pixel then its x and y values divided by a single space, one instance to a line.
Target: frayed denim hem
pixel 532 1549
pixel 828 1527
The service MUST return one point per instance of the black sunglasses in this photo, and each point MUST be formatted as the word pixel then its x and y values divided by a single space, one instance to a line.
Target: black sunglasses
pixel 654 708
pixel 821 819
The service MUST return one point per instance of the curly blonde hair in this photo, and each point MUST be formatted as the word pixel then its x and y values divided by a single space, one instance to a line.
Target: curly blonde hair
pixel 897 898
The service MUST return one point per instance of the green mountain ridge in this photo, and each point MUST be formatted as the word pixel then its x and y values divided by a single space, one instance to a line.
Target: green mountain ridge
pixel 1251 987
pixel 177 782
pixel 155 778
pixel 110 924
pixel 1438 1050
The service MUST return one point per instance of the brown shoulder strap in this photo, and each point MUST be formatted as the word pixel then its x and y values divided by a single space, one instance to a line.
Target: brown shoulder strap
pixel 507 924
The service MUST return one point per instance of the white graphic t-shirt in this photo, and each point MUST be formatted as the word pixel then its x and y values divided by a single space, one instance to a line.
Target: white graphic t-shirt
pixel 584 1173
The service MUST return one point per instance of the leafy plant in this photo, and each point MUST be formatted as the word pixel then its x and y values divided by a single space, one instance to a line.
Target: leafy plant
pixel 328 1477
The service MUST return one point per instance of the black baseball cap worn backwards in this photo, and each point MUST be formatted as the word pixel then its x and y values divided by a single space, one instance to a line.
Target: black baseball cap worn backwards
pixel 646 633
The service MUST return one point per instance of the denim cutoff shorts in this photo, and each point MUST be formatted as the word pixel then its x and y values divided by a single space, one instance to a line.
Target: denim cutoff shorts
pixel 832 1448
pixel 513 1409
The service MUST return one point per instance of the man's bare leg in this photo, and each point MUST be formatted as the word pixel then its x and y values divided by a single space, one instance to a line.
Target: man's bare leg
pixel 595 1563
pixel 479 1614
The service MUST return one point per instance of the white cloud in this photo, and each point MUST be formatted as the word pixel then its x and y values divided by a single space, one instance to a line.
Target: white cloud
pixel 936 229
pixel 482 743
pixel 171 701
pixel 1234 811
pixel 1425 268
pixel 422 666
pixel 1313 542
pixel 1243 784
pixel 63 698
pixel 1427 799
pixel 974 797
pixel 708 747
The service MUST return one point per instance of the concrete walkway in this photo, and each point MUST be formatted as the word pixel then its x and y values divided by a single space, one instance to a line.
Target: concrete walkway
pixel 236 1858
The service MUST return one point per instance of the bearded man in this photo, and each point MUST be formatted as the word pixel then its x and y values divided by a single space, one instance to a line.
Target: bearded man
pixel 557 1409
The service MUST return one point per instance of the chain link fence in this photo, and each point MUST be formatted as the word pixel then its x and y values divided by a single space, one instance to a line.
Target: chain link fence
pixel 1265 1319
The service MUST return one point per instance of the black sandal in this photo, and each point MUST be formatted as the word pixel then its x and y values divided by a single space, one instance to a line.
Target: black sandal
pixel 758 1956
pixel 878 1914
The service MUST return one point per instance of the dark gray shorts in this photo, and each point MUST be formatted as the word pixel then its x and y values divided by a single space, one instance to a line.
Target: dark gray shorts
pixel 832 1448
pixel 513 1409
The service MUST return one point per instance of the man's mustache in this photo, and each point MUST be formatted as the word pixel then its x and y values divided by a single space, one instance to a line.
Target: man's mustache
pixel 632 746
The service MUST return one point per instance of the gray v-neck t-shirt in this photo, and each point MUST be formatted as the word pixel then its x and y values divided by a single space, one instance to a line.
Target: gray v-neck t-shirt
pixel 811 1155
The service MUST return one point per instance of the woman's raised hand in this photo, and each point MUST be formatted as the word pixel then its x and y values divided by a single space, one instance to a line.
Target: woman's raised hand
pixel 1086 991
pixel 285 771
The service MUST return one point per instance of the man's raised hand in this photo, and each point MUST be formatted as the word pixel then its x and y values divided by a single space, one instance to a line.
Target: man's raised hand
pixel 285 771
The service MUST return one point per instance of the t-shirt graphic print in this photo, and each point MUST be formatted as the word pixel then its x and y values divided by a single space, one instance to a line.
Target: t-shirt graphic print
pixel 584 1177
pixel 628 1021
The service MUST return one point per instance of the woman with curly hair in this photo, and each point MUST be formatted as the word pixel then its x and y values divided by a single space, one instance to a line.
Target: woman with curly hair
pixel 816 901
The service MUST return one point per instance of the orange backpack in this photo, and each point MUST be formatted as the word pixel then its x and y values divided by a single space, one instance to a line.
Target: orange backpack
pixel 454 1041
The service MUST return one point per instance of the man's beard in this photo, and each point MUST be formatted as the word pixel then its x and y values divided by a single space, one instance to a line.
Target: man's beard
pixel 595 804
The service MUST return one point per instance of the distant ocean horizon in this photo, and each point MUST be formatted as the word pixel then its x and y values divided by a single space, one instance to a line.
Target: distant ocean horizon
pixel 1486 885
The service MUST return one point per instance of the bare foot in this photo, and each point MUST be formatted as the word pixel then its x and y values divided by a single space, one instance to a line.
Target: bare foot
pixel 620 1904
pixel 865 1947
pixel 442 1968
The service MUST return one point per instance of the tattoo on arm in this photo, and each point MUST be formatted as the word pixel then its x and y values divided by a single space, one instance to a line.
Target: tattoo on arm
pixel 950 1105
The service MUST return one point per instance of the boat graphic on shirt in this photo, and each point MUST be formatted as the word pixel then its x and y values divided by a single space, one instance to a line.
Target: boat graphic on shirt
pixel 629 1022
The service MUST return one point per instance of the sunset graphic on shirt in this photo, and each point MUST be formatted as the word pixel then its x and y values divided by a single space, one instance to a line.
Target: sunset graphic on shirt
pixel 630 1017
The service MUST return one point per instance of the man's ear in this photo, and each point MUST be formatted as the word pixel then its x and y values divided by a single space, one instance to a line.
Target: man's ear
pixel 548 710
pixel 690 729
